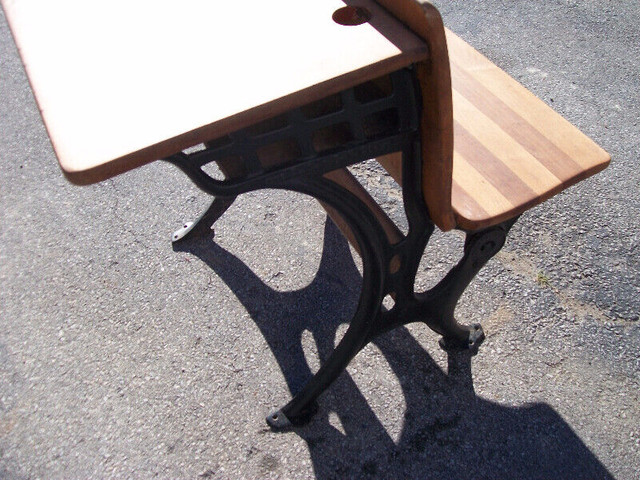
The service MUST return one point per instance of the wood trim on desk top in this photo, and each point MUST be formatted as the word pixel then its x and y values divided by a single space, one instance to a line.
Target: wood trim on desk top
pixel 120 84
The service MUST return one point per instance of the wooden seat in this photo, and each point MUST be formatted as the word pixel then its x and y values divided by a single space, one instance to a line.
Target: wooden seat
pixel 492 149
pixel 511 151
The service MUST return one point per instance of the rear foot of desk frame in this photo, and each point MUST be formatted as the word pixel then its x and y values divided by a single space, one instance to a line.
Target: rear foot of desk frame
pixel 202 226
pixel 389 268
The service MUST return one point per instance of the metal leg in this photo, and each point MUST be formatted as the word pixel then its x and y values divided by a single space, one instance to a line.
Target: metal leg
pixel 389 267
pixel 369 236
pixel 303 405
pixel 440 302
pixel 202 226
pixel 436 307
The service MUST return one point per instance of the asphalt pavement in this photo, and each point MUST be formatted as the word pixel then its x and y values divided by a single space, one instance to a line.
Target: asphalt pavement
pixel 122 358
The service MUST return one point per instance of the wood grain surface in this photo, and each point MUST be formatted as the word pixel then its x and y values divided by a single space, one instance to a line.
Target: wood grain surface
pixel 120 84
pixel 511 150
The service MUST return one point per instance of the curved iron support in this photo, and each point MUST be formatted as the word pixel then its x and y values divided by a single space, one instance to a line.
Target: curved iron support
pixel 439 303
pixel 370 237
pixel 390 270
pixel 203 225
pixel 436 306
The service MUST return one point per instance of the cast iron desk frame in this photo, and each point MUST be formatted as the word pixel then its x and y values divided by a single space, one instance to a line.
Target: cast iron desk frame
pixel 388 268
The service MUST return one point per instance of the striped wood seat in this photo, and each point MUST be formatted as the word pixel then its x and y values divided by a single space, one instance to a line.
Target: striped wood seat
pixel 491 149
pixel 511 151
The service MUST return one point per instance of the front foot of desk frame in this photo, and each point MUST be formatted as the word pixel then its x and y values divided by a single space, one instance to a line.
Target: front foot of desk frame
pixel 470 342
pixel 278 420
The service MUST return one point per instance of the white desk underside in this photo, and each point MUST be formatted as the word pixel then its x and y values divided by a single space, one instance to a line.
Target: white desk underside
pixel 122 83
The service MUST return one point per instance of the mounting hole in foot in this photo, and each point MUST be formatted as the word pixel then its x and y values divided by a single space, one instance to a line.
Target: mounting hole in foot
pixel 388 302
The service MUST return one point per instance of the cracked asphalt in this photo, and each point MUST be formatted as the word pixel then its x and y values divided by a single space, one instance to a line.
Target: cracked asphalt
pixel 120 357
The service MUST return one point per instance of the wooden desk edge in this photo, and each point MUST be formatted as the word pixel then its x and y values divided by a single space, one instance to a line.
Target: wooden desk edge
pixel 228 125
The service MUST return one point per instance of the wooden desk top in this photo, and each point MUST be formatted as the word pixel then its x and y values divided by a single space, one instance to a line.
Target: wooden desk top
pixel 123 83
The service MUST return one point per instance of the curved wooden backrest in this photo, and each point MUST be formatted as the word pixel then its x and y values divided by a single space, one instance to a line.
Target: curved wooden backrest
pixel 437 121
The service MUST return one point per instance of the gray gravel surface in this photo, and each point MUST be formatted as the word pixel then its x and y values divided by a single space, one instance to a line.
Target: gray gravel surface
pixel 122 358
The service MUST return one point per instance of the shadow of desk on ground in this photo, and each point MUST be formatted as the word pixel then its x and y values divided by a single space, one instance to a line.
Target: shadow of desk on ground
pixel 449 432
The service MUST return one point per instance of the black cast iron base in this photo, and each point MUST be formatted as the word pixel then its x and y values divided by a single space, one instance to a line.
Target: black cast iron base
pixel 375 125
